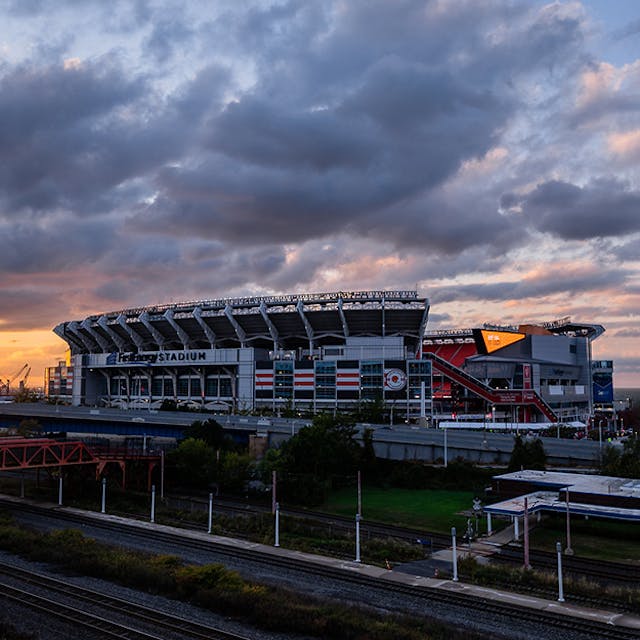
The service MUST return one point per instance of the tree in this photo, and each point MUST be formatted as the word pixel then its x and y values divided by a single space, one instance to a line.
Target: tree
pixel 518 458
pixel 234 471
pixel 25 395
pixel 310 461
pixel 194 462
pixel 624 463
pixel 527 454
pixel 28 428
pixel 209 431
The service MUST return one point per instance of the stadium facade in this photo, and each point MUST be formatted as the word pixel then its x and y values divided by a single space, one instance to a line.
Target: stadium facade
pixel 327 352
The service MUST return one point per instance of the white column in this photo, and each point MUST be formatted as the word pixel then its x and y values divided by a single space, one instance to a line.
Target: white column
pixel 489 530
pixel 104 496
pixel 210 512
pixel 153 503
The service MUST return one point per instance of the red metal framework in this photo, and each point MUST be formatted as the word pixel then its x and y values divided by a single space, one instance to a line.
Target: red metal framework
pixel 27 453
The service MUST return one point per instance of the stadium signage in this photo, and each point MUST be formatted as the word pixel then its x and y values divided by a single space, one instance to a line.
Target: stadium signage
pixel 162 357
pixel 394 379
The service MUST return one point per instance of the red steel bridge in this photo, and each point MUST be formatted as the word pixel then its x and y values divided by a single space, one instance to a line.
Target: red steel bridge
pixel 42 453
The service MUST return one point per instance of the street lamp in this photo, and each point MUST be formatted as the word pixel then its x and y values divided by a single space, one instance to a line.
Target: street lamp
pixel 568 550
pixel 600 434
pixel 454 554
pixel 560 589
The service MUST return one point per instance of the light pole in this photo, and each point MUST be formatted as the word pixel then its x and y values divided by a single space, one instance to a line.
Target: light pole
pixel 445 448
pixel 153 503
pixel 560 589
pixel 357 537
pixel 454 554
pixel 568 550
pixel 526 534
pixel 600 435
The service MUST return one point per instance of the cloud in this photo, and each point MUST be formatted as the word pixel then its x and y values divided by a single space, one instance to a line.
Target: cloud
pixel 552 281
pixel 625 145
pixel 604 207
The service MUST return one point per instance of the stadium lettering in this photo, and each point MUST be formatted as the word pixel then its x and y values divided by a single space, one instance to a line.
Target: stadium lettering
pixel 162 356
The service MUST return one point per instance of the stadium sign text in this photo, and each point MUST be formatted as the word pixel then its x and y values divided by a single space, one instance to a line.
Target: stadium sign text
pixel 160 356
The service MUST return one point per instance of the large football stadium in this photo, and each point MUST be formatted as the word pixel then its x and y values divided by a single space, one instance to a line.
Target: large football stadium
pixel 326 352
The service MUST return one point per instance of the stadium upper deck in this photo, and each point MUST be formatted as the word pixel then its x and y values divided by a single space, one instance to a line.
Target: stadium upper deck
pixel 304 321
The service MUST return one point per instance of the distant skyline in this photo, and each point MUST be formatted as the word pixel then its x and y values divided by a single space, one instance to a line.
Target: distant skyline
pixel 485 153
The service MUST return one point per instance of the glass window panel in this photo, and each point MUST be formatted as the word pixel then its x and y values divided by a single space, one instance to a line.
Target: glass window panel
pixel 225 387
pixel 183 386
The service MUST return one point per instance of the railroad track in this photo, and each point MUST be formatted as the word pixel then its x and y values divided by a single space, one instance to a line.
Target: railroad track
pixel 90 606
pixel 463 601
pixel 606 572
pixel 330 522
pixel 595 570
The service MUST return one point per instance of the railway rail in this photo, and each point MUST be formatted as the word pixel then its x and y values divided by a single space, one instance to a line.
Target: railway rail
pixel 595 570
pixel 485 601
pixel 606 572
pixel 90 609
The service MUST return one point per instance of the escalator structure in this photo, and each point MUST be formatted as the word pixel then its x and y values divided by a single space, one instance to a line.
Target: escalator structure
pixel 523 397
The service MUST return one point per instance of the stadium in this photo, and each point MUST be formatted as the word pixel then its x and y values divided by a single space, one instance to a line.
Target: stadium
pixel 326 352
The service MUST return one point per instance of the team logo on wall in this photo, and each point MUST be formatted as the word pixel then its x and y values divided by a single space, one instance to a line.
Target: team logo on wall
pixel 394 379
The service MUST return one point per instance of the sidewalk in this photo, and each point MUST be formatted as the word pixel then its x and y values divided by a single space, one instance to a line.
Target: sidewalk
pixel 480 548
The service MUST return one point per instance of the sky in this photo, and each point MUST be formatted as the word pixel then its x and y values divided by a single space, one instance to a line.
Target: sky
pixel 157 151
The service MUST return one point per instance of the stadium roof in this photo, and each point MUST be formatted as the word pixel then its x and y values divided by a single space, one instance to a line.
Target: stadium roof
pixel 271 322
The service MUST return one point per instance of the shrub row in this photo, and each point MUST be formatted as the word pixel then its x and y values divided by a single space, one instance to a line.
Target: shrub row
pixel 215 588
pixel 492 575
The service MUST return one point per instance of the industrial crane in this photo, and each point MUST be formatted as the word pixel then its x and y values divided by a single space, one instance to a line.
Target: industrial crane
pixel 23 383
pixel 6 386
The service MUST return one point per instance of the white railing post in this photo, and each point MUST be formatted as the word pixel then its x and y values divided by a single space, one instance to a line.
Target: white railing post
pixel 277 536
pixel 210 512
pixel 103 508
pixel 153 503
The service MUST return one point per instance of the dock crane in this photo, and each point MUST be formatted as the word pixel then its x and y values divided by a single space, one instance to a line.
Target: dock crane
pixel 5 387
pixel 23 383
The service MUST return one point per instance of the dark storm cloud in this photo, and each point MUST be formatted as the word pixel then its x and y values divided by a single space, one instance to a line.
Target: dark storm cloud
pixel 36 99
pixel 51 122
pixel 72 138
pixel 354 131
pixel 603 208
pixel 258 133
pixel 29 248
pixel 534 288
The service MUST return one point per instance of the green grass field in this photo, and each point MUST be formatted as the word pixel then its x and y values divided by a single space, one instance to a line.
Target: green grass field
pixel 601 539
pixel 434 510
pixel 439 510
